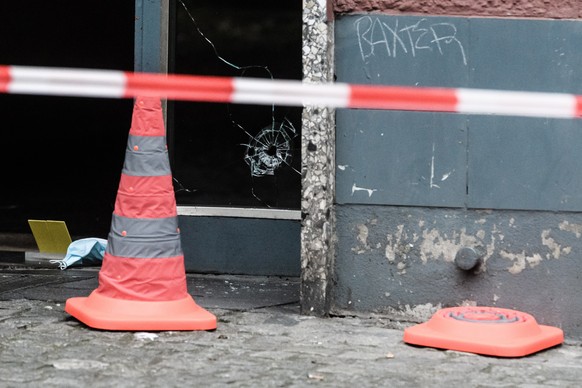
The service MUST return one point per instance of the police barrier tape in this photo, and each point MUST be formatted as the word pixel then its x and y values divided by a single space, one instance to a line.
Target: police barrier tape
pixel 260 91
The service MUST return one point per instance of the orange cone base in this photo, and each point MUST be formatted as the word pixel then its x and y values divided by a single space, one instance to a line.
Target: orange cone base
pixel 102 312
pixel 484 330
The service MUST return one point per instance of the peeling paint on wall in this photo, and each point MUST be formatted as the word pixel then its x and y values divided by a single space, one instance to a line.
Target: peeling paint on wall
pixel 436 245
pixel 573 228
pixel 394 248
pixel 520 261
pixel 413 313
pixel 422 312
pixel 407 242
pixel 555 249
pixel 362 238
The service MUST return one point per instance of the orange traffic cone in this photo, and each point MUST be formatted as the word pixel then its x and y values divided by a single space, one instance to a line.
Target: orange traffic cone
pixel 142 281
pixel 490 331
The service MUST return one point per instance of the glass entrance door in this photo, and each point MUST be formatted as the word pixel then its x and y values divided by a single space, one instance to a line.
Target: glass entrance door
pixel 237 167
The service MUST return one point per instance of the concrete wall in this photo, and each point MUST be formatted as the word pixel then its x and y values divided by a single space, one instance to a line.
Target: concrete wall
pixel 400 260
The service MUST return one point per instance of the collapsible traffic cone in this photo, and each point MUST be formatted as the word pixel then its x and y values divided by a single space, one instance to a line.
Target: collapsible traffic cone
pixel 490 331
pixel 142 281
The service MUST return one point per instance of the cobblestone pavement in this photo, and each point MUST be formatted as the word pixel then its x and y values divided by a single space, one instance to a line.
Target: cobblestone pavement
pixel 261 341
pixel 42 346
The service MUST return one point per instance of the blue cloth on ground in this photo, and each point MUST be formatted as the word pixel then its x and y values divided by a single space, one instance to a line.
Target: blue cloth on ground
pixel 82 252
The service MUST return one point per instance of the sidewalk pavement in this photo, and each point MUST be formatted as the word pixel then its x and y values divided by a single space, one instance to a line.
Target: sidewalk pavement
pixel 261 341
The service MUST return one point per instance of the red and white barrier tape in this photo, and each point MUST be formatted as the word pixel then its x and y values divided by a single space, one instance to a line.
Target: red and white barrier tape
pixel 120 84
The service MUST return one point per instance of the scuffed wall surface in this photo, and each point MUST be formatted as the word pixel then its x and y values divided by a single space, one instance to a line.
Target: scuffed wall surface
pixel 401 261
pixel 561 9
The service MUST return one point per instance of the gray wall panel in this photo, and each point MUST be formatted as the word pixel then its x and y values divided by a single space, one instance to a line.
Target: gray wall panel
pixel 523 163
pixel 400 158
pixel 402 50
pixel 244 246
pixel 511 162
pixel 526 54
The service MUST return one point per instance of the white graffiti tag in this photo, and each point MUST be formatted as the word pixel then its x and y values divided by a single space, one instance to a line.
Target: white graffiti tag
pixel 376 37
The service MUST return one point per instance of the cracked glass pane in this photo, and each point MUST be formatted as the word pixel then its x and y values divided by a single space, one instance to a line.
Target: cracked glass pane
pixel 270 149
pixel 236 154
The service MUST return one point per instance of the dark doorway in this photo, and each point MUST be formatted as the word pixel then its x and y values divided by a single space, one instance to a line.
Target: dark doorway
pixel 227 154
pixel 240 163
pixel 62 156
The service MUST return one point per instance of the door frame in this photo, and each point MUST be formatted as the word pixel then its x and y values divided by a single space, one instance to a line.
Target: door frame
pixel 257 251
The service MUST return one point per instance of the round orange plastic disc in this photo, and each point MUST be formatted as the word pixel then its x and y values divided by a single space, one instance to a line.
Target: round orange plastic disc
pixel 484 330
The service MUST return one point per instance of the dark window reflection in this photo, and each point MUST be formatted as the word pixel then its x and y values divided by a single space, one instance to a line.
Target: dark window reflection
pixel 232 154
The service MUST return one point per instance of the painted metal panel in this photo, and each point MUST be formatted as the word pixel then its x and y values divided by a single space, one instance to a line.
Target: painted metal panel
pixel 511 163
pixel 524 163
pixel 520 163
pixel 243 246
pixel 526 54
pixel 402 50
pixel 151 36
pixel 400 158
